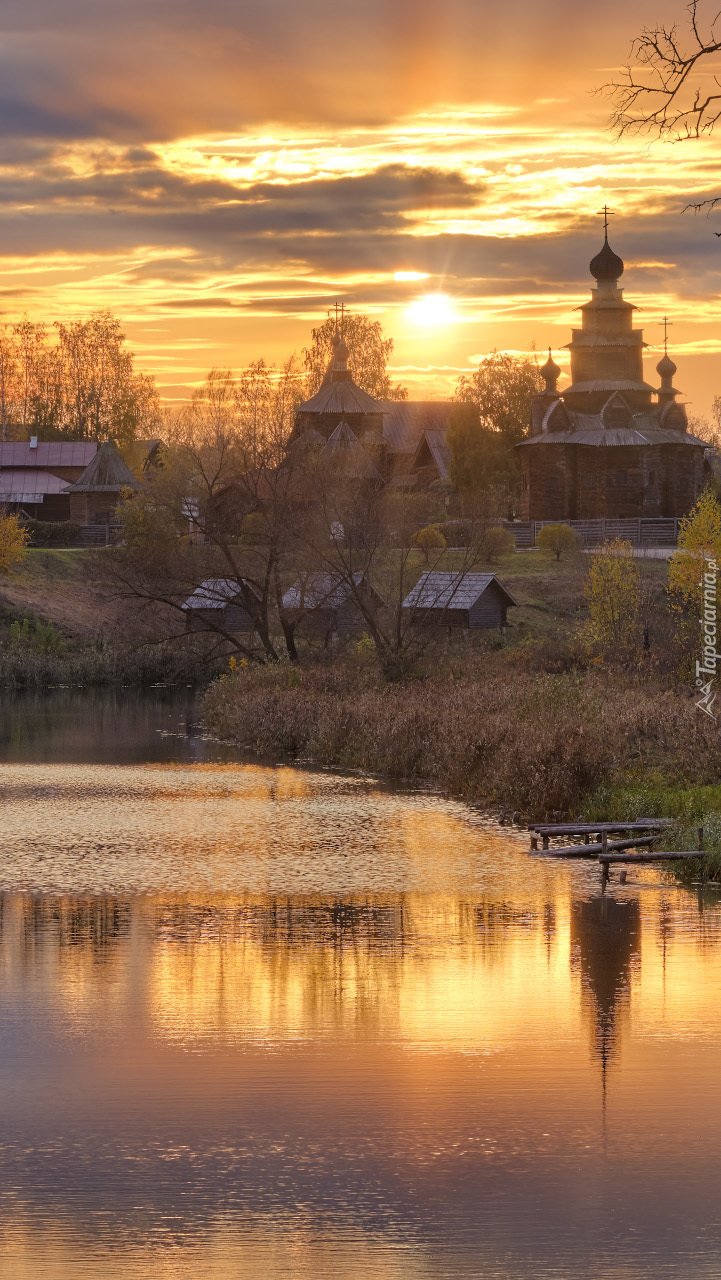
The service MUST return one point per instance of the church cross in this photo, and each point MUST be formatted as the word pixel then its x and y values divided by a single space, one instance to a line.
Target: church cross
pixel 667 324
pixel 339 310
pixel 606 213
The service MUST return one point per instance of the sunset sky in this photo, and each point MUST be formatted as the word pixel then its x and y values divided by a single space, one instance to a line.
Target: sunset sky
pixel 219 174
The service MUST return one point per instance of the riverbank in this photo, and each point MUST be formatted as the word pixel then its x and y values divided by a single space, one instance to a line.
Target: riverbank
pixel 60 627
pixel 490 733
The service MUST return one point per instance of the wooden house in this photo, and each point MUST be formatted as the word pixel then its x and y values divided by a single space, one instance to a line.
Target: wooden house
pixel 35 474
pixel 220 604
pixel 468 600
pixel 325 604
pixel 97 492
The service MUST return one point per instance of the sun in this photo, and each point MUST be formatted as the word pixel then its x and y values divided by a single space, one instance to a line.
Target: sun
pixel 432 310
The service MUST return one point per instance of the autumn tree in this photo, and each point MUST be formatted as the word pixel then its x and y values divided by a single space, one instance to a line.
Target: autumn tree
pixel 699 540
pixel 614 595
pixel 13 542
pixel 368 355
pixel 81 386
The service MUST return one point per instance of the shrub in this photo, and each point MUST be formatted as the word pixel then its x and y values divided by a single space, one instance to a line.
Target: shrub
pixel 493 543
pixel 52 533
pixel 429 539
pixel 558 540
pixel 39 636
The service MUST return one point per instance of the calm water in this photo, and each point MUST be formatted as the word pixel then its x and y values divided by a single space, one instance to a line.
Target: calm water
pixel 263 1022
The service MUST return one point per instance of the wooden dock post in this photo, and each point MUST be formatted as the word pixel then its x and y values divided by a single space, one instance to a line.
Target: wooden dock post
pixel 534 844
pixel 545 842
pixel 606 869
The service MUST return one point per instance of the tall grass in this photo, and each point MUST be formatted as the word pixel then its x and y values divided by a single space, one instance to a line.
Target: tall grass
pixel 97 663
pixel 538 742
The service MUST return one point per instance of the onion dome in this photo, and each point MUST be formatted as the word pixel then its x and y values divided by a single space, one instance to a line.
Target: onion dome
pixel 666 367
pixel 607 267
pixel 340 349
pixel 551 372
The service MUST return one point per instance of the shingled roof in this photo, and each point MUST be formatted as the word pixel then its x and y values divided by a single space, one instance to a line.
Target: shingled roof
pixel 346 450
pixel 438 590
pixel 341 397
pixel 107 473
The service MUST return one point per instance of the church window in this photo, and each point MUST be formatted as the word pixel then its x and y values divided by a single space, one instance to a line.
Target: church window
pixel 621 479
pixel 652 477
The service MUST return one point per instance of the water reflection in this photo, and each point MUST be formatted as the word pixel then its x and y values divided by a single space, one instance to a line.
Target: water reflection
pixel 605 942
pixel 262 1022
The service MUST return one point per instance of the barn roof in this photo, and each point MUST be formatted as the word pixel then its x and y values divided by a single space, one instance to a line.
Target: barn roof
pixel 47 453
pixel 216 593
pixel 105 474
pixel 441 590
pixel 322 591
pixel 405 421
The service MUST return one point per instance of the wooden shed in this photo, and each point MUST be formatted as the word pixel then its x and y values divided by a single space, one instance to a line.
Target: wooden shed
pixel 469 600
pixel 220 603
pixel 326 604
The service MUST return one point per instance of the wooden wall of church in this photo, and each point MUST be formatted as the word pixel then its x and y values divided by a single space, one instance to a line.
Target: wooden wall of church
pixel 576 482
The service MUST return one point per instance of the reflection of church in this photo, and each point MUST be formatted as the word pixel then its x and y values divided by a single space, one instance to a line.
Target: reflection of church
pixel 605 941
pixel 609 446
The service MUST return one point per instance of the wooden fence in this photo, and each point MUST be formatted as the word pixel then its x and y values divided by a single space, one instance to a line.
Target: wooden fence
pixel 639 532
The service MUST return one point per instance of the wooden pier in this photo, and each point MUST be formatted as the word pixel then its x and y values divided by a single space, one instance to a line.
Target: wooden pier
pixel 546 830
pixel 609 851
pixel 593 850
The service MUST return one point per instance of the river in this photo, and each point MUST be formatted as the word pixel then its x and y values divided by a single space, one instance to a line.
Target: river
pixel 269 1022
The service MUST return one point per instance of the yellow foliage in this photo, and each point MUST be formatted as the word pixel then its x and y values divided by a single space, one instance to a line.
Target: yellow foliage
pixel 13 542
pixel 699 539
pixel 614 596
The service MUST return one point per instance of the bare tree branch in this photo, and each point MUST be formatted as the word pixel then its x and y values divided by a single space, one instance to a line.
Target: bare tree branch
pixel 669 88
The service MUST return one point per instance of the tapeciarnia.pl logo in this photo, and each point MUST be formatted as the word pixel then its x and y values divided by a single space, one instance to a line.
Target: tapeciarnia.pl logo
pixel 706 670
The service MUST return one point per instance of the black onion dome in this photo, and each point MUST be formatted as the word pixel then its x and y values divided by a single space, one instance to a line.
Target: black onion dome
pixel 666 367
pixel 607 266
pixel 550 370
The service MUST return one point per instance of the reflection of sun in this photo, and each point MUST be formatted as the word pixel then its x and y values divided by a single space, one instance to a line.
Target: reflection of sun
pixel 433 309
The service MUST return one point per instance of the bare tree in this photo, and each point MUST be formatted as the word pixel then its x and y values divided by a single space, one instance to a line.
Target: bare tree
pixel 360 533
pixel 218 510
pixel 670 88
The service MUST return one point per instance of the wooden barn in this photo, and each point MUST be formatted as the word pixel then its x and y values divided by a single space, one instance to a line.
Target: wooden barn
pixel 220 603
pixel 325 604
pixel 467 600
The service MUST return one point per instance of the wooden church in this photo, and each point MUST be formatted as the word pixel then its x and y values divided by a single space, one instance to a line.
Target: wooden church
pixel 610 445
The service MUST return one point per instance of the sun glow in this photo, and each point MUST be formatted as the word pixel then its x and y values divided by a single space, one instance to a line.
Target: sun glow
pixel 432 310
pixel 410 275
